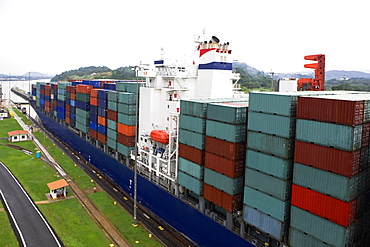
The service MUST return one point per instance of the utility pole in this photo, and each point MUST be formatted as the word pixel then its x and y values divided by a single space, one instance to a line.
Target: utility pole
pixel 272 79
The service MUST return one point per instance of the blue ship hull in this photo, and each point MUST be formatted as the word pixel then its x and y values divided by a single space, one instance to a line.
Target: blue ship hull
pixel 187 220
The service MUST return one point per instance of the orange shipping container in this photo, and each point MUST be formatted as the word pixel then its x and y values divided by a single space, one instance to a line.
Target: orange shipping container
pixel 102 138
pixel 94 92
pixel 102 121
pixel 85 89
pixel 68 120
pixel 73 96
pixel 94 101
pixel 93 133
pixel 222 199
pixel 335 210
pixel 128 130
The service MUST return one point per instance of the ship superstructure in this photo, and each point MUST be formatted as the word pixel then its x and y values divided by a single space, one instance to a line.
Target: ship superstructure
pixel 208 76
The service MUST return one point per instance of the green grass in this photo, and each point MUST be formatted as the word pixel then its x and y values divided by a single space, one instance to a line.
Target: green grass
pixel 8 125
pixel 122 220
pixel 73 224
pixel 81 179
pixel 7 237
pixel 22 116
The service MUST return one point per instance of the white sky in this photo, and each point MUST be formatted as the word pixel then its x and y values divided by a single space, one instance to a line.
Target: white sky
pixel 52 36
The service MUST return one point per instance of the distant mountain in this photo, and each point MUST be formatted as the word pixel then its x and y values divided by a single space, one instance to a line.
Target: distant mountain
pixel 331 74
pixel 37 75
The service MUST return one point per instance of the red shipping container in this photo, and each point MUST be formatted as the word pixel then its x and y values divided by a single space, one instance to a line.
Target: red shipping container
pixel 222 199
pixel 94 92
pixel 335 210
pixel 128 130
pixel 230 168
pixel 341 111
pixel 85 89
pixel 102 121
pixel 329 159
pixel 128 141
pixel 229 150
pixel 68 107
pixel 68 120
pixel 112 115
pixel 190 153
pixel 94 101
pixel 93 134
pixel 365 138
pixel 102 138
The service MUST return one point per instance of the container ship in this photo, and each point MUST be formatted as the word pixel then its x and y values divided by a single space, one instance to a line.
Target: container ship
pixel 270 169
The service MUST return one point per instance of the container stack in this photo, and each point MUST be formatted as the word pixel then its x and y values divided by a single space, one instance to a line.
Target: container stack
pixel 330 196
pixel 269 162
pixel 126 122
pixel 61 107
pixel 102 116
pixel 54 98
pixel 225 167
pixel 192 132
pixel 112 117
pixel 71 105
pixel 83 107
pixel 94 113
pixel 47 98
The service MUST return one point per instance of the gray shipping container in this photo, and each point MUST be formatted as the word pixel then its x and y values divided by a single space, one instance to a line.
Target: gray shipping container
pixel 264 222
pixel 267 204
pixel 112 134
pixel 126 119
pixel 271 144
pixel 196 108
pixel 322 229
pixel 82 113
pixel 126 151
pixel 113 96
pixel 126 109
pixel 328 183
pixel 112 105
pixel 190 183
pixel 233 113
pixel 82 127
pixel 271 124
pixel 338 136
pixel 228 132
pixel 277 167
pixel 191 168
pixel 112 143
pixel 111 124
pixel 192 139
pixel 193 123
pixel 126 98
pixel 280 189
pixel 231 186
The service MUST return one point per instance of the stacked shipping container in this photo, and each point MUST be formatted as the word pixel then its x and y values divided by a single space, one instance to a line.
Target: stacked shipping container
pixel 330 197
pixel 83 107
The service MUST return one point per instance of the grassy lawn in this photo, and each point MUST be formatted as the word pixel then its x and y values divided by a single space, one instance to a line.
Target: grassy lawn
pixel 73 224
pixel 122 221
pixel 7 237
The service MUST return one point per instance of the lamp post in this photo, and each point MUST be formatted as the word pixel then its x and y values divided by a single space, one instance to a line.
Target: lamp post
pixel 136 150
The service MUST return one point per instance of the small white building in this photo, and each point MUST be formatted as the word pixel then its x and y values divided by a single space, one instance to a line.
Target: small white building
pixel 4 113
pixel 58 189
pixel 18 135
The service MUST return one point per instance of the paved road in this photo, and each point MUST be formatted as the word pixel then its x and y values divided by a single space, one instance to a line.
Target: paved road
pixel 30 226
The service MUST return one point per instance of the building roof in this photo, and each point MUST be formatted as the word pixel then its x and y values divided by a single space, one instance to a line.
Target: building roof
pixel 57 184
pixel 17 132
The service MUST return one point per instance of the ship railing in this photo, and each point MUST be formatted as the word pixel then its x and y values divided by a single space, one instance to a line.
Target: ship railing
pixel 188 201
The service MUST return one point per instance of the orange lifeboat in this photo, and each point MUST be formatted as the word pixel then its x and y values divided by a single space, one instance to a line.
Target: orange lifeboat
pixel 159 136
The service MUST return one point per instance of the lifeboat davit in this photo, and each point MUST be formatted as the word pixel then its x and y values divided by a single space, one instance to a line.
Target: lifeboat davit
pixel 159 136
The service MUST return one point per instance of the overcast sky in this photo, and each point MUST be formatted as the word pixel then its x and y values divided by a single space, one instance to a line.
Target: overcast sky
pixel 51 36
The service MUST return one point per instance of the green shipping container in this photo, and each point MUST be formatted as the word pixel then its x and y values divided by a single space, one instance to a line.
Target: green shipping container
pixel 126 109
pixel 82 113
pixel 280 189
pixel 113 96
pixel 113 106
pixel 233 113
pixel 190 183
pixel 112 124
pixel 271 144
pixel 191 168
pixel 112 143
pixel 231 186
pixel 126 98
pixel 338 136
pixel 63 85
pixel 133 87
pixel 127 119
pixel 83 97
pixel 228 132
pixel 345 189
pixel 193 123
pixel 83 120
pixel 124 150
pixel 112 134
pixel 61 97
pixel 266 204
pixel 322 229
pixel 82 127
pixel 271 124
pixel 299 239
pixel 192 139
pixel 277 167
pixel 196 108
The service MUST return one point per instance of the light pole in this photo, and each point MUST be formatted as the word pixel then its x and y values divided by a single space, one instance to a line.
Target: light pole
pixel 136 150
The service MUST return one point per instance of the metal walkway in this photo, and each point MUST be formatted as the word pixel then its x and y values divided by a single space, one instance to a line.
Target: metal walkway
pixel 29 225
